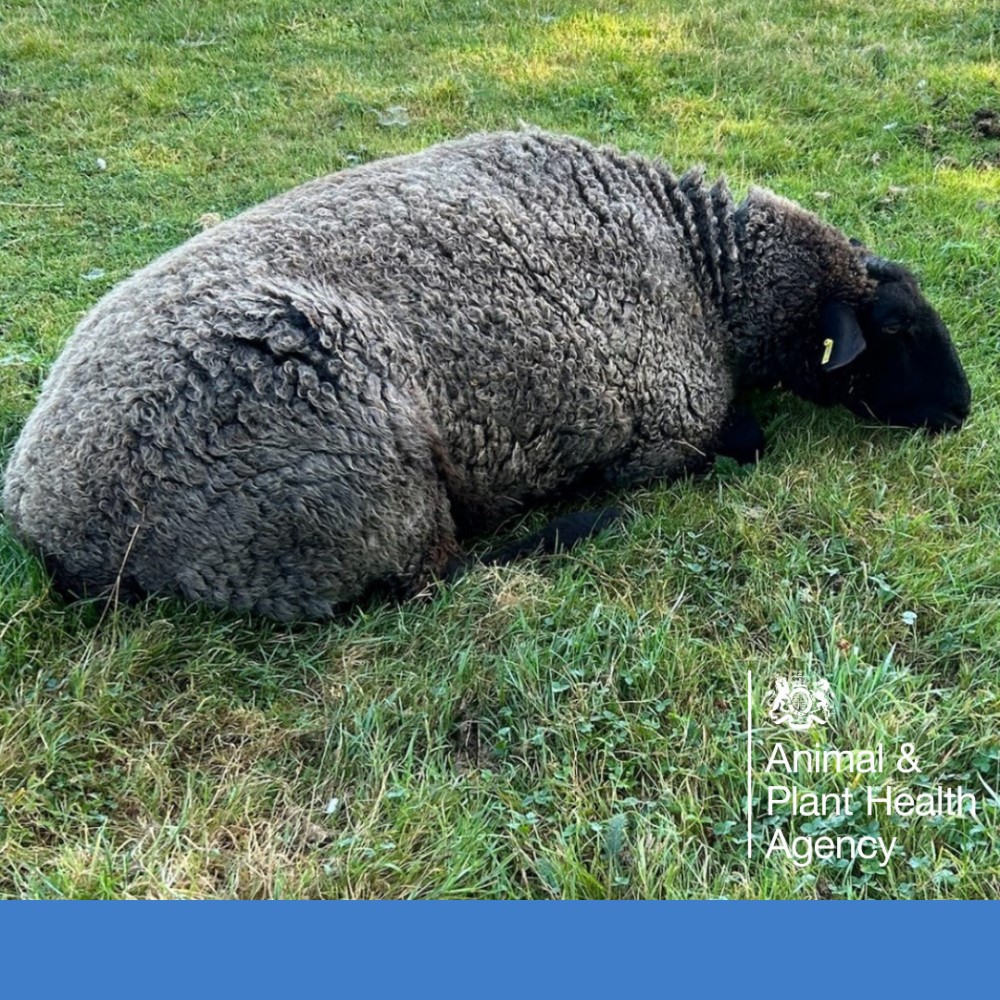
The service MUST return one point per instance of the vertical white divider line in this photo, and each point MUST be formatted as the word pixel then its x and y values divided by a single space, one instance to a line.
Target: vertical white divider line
pixel 749 768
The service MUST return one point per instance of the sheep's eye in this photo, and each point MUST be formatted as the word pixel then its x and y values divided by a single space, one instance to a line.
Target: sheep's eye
pixel 899 324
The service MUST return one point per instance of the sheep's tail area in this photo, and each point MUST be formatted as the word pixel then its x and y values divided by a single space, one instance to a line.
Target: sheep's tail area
pixel 559 535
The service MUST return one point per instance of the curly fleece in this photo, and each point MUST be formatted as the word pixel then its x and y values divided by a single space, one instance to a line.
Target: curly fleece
pixel 314 399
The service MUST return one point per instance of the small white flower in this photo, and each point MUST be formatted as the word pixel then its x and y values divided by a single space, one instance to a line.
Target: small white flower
pixel 102 164
pixel 909 617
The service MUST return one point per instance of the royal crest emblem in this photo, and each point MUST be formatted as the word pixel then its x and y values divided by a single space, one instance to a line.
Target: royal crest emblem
pixel 800 705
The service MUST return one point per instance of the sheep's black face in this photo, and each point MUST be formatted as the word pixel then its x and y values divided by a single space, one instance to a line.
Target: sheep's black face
pixel 893 358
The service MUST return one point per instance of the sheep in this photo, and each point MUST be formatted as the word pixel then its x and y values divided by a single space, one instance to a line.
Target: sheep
pixel 317 399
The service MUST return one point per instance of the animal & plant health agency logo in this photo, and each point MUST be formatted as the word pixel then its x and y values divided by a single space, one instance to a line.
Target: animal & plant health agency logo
pixel 851 817
pixel 800 704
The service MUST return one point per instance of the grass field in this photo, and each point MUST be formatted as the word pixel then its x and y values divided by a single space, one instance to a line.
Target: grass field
pixel 568 729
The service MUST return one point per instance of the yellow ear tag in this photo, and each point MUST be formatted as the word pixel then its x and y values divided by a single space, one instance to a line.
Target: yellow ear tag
pixel 827 350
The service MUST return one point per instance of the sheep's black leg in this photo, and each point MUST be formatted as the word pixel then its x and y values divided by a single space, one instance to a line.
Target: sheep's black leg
pixel 560 534
pixel 740 437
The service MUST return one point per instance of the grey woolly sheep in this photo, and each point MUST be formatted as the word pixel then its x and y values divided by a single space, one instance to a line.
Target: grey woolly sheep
pixel 317 398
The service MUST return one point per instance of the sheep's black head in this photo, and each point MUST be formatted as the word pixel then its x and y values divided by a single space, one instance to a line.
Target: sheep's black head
pixel 892 358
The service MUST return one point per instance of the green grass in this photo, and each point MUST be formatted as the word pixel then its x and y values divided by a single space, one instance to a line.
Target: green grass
pixel 573 729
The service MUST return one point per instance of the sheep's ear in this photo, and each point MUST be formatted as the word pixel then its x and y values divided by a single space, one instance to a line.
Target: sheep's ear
pixel 843 340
